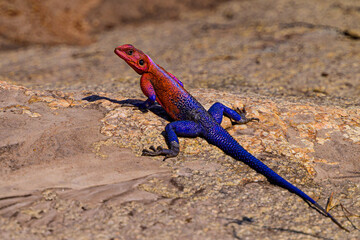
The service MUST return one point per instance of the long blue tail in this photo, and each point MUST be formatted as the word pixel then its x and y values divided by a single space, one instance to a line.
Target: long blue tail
pixel 230 146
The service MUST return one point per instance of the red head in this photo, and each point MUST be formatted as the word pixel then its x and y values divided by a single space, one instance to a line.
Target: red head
pixel 136 59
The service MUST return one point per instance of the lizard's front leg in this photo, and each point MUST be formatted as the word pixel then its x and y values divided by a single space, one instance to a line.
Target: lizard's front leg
pixel 218 110
pixel 148 90
pixel 173 130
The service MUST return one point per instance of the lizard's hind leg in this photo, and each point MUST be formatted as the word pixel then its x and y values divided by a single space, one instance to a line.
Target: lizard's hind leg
pixel 173 130
pixel 218 110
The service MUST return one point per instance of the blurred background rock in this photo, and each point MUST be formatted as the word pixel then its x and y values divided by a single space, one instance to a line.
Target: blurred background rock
pixel 282 48
pixel 76 21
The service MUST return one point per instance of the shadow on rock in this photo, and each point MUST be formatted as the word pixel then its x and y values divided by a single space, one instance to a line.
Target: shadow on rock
pixel 136 103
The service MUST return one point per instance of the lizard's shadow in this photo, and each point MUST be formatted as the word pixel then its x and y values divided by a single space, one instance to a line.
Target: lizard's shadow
pixel 156 108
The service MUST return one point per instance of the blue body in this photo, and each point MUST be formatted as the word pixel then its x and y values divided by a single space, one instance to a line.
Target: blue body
pixel 196 121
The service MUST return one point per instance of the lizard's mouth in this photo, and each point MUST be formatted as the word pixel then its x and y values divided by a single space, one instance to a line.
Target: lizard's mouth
pixel 121 54
pixel 124 56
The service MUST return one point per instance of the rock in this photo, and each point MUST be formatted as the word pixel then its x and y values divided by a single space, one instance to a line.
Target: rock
pixel 78 162
pixel 75 22
pixel 70 164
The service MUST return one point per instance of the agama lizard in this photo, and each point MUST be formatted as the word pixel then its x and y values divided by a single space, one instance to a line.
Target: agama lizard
pixel 192 120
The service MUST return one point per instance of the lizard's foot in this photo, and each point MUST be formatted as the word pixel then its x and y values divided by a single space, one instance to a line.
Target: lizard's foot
pixel 159 151
pixel 244 119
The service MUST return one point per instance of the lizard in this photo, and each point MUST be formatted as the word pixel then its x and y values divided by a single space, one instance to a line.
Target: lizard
pixel 191 119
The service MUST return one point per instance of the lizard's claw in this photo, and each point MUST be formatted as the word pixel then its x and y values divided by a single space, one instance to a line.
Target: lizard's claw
pixel 160 151
pixel 149 152
pixel 152 151
pixel 244 119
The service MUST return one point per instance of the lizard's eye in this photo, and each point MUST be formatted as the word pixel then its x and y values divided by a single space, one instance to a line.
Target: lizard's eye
pixel 141 62
pixel 130 52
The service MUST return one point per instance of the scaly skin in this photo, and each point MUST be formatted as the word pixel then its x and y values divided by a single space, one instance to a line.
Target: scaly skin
pixel 192 120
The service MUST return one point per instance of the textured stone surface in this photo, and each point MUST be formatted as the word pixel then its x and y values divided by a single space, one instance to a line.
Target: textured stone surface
pixel 70 169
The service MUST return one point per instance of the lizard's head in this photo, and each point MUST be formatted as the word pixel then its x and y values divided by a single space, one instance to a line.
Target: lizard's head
pixel 136 59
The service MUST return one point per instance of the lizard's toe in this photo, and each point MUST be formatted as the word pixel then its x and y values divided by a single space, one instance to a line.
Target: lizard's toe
pixel 152 151
pixel 152 148
pixel 242 112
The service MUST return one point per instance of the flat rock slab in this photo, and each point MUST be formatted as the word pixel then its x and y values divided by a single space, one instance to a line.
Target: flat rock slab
pixel 50 152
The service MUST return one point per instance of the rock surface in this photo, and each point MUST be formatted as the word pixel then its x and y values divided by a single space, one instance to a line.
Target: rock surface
pixel 70 164
pixel 70 168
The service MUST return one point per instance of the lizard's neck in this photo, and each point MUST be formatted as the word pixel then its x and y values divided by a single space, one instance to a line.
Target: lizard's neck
pixel 158 72
pixel 154 68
